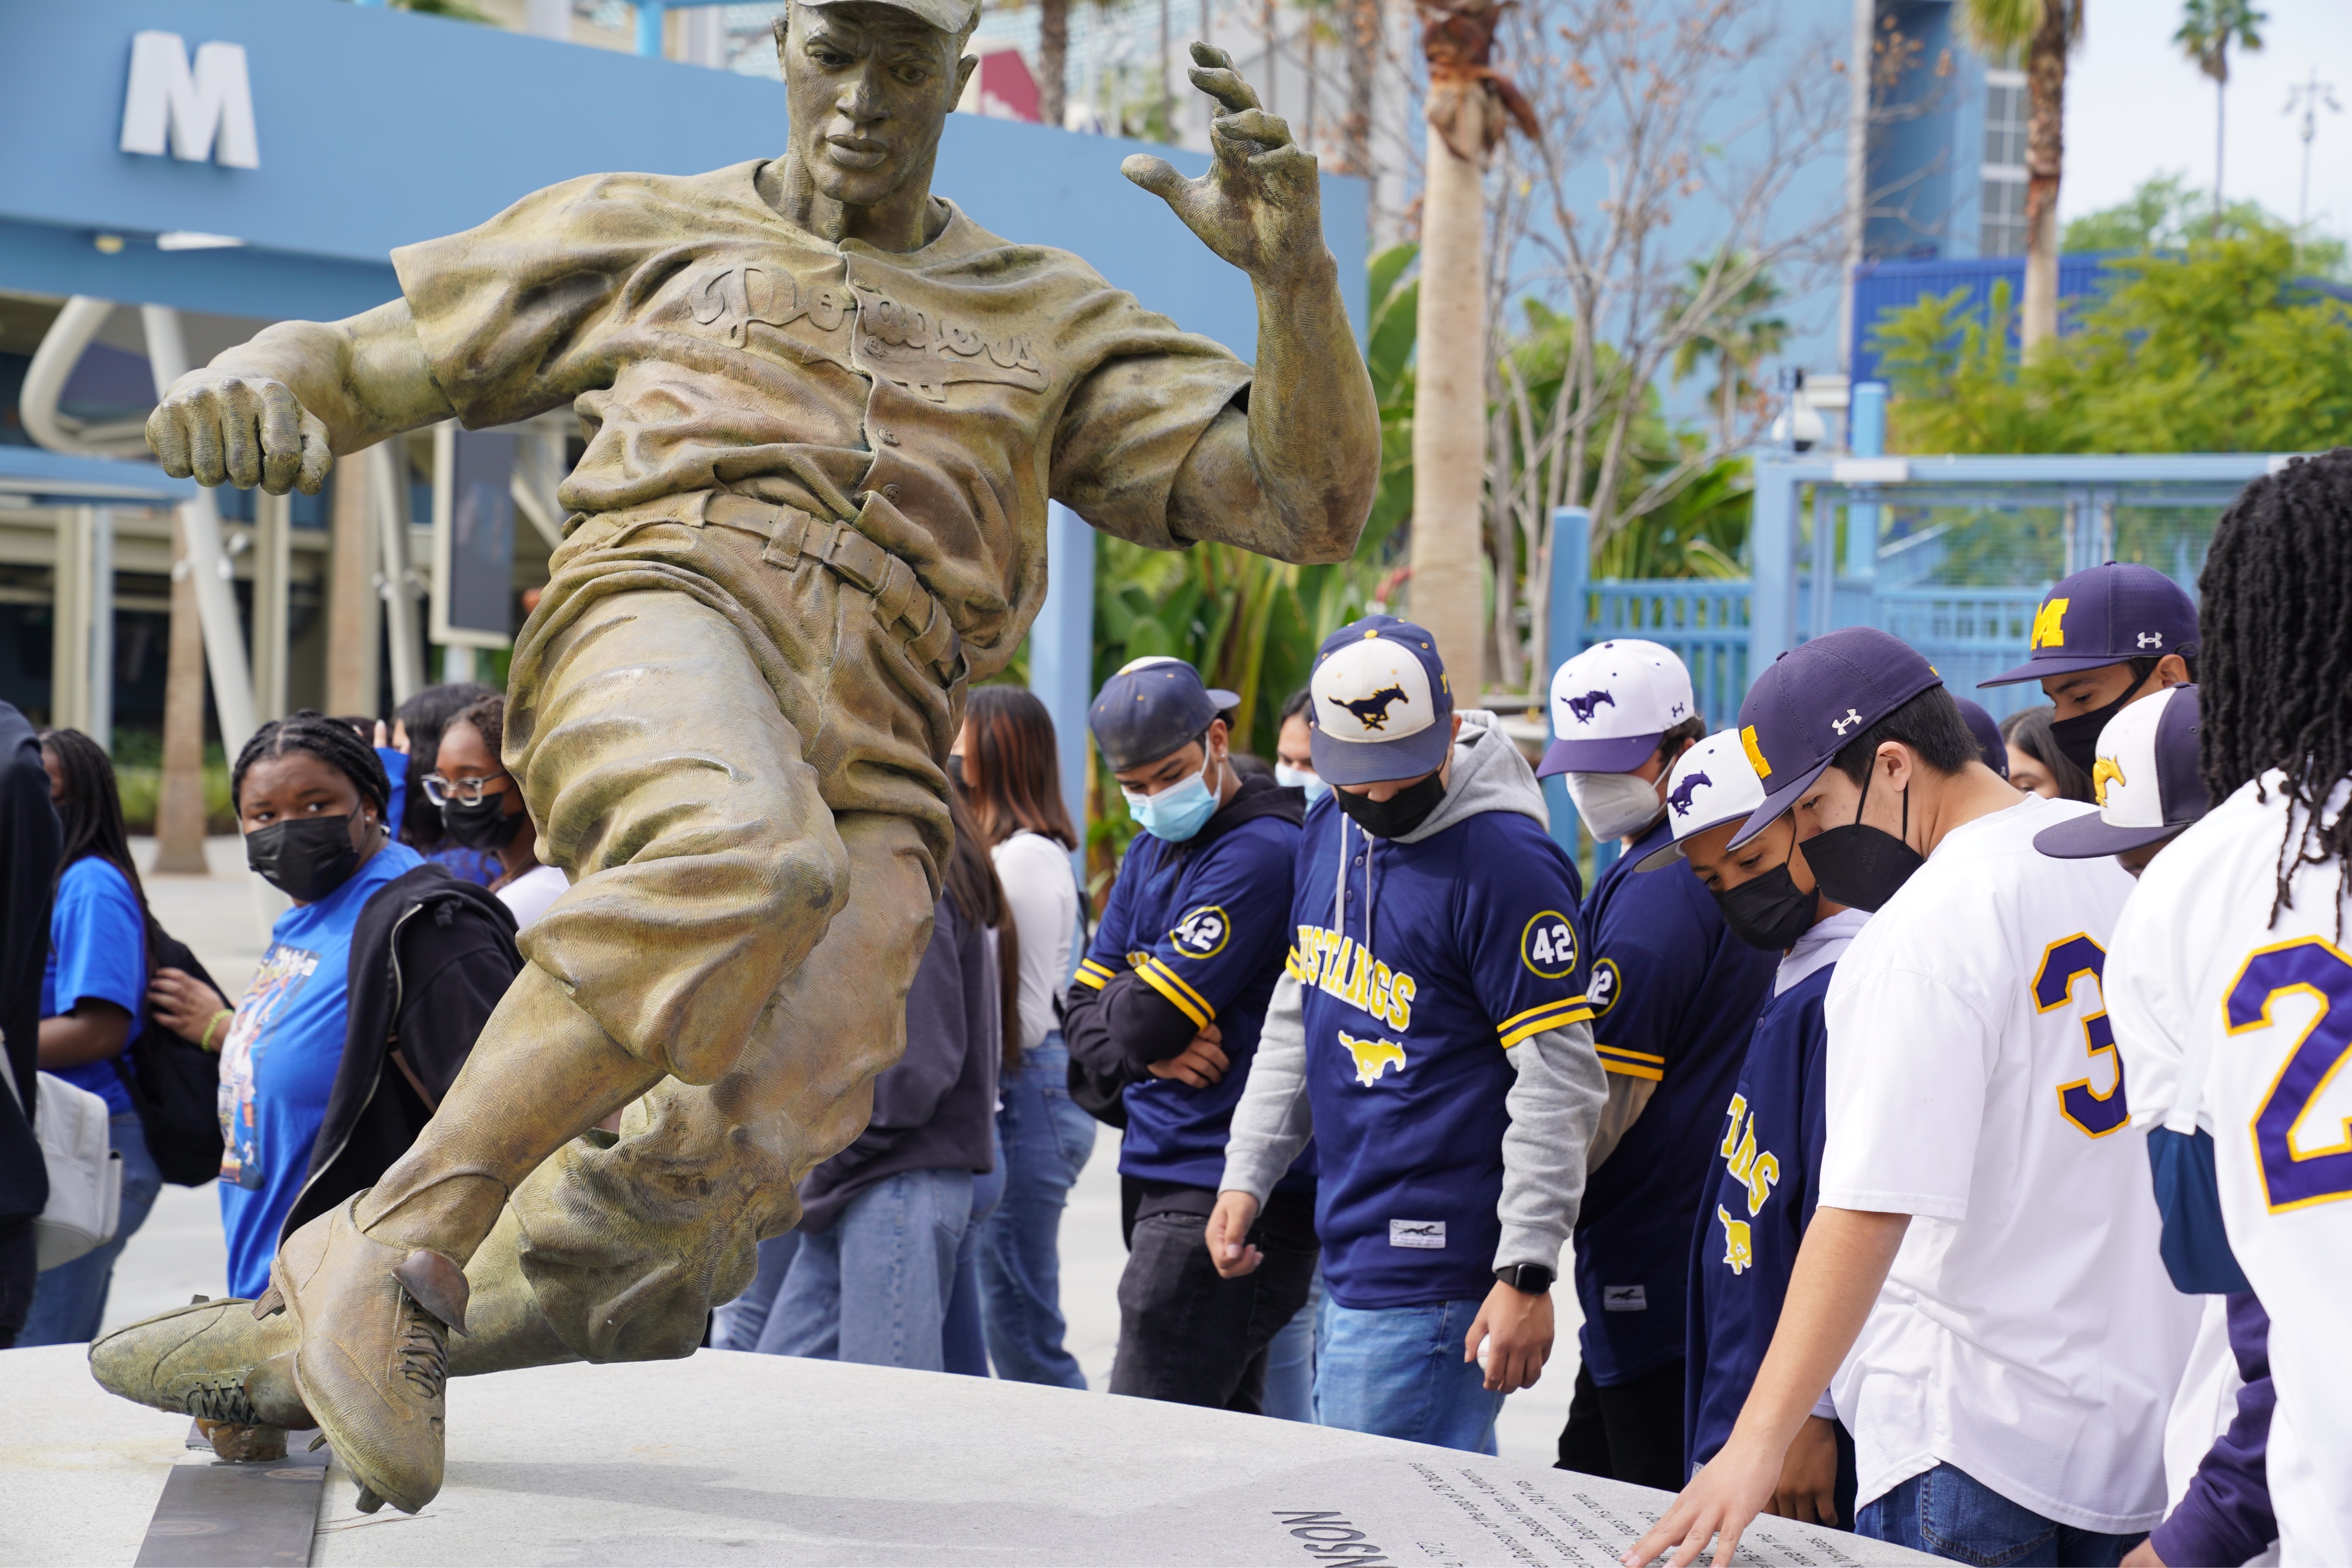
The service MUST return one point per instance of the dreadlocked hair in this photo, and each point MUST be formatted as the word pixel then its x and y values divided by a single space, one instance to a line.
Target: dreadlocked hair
pixel 2274 634
pixel 331 741
pixel 90 814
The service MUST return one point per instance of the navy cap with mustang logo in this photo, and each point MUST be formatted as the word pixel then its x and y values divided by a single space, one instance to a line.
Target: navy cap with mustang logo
pixel 1151 707
pixel 1815 699
pixel 1380 703
pixel 2105 616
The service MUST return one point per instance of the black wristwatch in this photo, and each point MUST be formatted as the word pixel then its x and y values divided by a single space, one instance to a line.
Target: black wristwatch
pixel 1532 1278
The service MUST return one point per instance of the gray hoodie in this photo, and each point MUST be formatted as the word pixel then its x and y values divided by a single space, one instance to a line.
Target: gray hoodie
pixel 1554 1103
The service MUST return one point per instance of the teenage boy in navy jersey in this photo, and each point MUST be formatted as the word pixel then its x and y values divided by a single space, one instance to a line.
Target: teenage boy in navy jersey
pixel 1767 1165
pixel 1430 1033
pixel 1675 998
pixel 1170 998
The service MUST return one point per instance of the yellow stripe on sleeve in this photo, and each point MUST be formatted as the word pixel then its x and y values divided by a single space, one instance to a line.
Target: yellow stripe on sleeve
pixel 1628 1070
pixel 1089 979
pixel 1199 1001
pixel 1535 1027
pixel 1153 977
pixel 1624 1054
pixel 1518 1018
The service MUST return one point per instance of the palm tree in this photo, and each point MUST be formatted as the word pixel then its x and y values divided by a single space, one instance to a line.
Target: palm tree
pixel 2208 28
pixel 1739 338
pixel 2044 31
pixel 1052 59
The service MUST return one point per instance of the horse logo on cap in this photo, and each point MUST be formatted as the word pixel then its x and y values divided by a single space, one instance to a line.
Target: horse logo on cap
pixel 1583 708
pixel 1680 800
pixel 1372 712
pixel 2104 772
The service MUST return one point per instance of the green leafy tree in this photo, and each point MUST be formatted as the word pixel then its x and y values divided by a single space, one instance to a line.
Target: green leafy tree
pixel 2215 349
pixel 2166 212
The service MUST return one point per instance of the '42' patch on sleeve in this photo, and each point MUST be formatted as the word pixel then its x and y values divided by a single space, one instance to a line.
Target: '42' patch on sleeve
pixel 1202 932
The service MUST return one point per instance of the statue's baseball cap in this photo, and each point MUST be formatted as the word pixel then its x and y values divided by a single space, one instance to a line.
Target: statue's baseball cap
pixel 1815 698
pixel 1379 704
pixel 1610 706
pixel 2103 616
pixel 1713 783
pixel 951 17
pixel 1152 706
pixel 2145 780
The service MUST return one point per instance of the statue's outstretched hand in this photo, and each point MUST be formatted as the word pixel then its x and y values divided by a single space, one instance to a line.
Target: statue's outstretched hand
pixel 1259 206
pixel 239 428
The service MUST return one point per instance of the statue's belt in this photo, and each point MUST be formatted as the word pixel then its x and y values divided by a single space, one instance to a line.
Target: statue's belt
pixel 906 606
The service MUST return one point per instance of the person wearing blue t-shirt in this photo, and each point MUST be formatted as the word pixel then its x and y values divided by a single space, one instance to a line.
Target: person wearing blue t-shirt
pixel 1430 1033
pixel 1765 1166
pixel 91 992
pixel 1168 1001
pixel 313 823
pixel 1675 996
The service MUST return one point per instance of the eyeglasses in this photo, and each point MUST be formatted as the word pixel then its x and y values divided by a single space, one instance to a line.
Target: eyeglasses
pixel 464 791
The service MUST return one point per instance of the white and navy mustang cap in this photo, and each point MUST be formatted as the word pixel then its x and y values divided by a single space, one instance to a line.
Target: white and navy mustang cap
pixel 1713 783
pixel 2145 780
pixel 1382 706
pixel 1612 704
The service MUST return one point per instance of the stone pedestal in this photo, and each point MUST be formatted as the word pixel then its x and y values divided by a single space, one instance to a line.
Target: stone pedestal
pixel 779 1462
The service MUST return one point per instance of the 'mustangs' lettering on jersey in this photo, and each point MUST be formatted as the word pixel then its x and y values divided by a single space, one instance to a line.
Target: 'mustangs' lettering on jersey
pixel 1738 1249
pixel 1340 967
pixel 1548 945
pixel 1760 1168
pixel 1373 1057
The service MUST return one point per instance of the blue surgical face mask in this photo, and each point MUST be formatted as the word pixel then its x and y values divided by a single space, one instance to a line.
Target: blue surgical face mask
pixel 1291 777
pixel 1177 812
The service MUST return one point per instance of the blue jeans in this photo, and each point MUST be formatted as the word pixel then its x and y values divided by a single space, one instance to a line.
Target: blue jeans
pixel 1045 1139
pixel 1290 1360
pixel 1947 1513
pixel 69 1301
pixel 965 1341
pixel 874 1289
pixel 1398 1372
pixel 738 1324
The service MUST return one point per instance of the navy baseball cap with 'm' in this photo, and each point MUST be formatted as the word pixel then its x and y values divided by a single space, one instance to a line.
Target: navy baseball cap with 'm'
pixel 1814 699
pixel 1151 707
pixel 2106 615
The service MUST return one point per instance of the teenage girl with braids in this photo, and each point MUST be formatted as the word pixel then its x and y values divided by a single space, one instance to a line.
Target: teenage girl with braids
pixel 323 1082
pixel 90 1010
pixel 2230 985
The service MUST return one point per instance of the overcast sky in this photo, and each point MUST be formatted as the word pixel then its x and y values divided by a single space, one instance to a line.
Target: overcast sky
pixel 2136 107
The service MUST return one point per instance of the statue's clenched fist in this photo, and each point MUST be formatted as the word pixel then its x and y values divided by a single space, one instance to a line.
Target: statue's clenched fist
pixel 241 429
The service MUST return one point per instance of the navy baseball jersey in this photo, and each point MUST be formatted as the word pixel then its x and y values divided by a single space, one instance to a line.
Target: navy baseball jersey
pixel 1766 1169
pixel 1201 925
pixel 1675 998
pixel 1434 959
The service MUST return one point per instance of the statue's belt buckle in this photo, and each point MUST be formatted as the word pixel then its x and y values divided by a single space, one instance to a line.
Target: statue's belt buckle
pixel 855 558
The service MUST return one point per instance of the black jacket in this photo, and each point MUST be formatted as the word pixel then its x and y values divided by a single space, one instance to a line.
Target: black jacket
pixel 934 1109
pixel 431 955
pixel 29 863
pixel 1116 1033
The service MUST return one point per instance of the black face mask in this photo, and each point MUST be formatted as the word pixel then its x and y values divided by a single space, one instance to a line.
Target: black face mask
pixel 1770 911
pixel 482 824
pixel 1861 866
pixel 2078 738
pixel 1398 815
pixel 303 857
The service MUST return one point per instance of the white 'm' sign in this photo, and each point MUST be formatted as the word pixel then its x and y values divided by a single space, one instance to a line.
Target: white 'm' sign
pixel 208 110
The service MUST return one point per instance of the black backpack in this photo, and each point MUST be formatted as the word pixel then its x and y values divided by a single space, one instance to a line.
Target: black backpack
pixel 177 1087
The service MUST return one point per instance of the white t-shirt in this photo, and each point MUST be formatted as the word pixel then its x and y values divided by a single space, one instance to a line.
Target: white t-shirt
pixel 528 895
pixel 2028 1333
pixel 1043 893
pixel 2247 1022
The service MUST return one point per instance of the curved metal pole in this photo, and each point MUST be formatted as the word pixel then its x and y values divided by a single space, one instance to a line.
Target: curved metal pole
pixel 45 381
pixel 167 356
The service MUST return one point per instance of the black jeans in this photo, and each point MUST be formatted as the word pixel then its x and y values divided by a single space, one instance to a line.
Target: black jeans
pixel 19 1270
pixel 1187 1336
pixel 1632 1432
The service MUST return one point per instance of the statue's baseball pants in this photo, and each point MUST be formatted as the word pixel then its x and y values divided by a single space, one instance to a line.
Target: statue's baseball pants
pixel 738 766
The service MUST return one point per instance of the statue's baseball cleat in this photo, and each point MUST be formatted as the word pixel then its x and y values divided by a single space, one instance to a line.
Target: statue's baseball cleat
pixel 373 1359
pixel 201 1360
